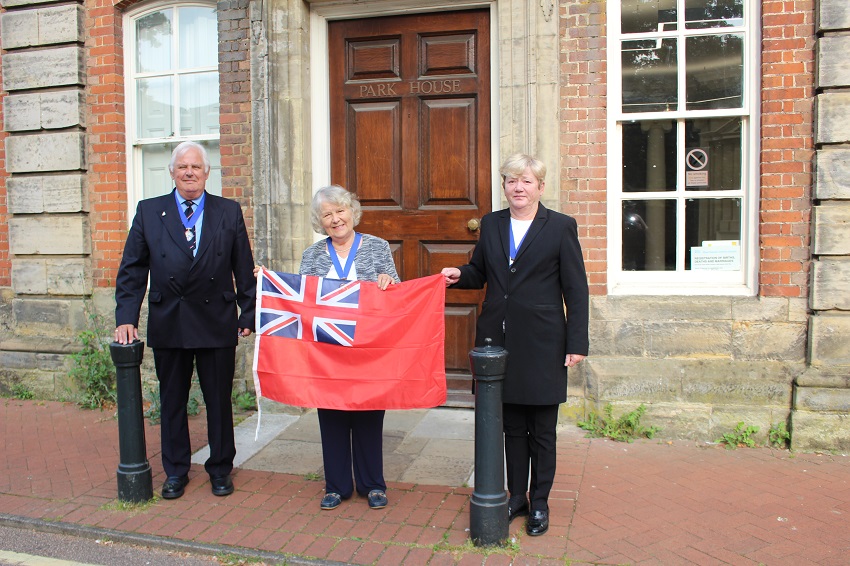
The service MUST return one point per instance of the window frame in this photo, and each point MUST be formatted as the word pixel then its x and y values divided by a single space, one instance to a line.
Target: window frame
pixel 134 144
pixel 743 282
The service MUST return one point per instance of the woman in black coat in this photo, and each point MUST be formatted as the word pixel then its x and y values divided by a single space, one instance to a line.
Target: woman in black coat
pixel 530 259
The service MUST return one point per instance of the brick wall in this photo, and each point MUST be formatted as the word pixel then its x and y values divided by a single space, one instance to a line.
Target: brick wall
pixel 583 131
pixel 787 146
pixel 107 174
pixel 235 99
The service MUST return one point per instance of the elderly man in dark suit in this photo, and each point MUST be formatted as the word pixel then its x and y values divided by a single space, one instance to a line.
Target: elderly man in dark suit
pixel 193 245
pixel 531 261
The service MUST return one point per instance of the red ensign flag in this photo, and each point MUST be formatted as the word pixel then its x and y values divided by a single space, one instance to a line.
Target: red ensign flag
pixel 348 345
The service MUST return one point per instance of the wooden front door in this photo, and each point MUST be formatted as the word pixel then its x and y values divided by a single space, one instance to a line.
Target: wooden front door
pixel 410 134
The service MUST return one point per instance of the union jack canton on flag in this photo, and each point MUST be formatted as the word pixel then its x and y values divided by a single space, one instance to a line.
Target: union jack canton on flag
pixel 280 290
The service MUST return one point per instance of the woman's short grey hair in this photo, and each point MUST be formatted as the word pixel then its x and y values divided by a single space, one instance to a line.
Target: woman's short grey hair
pixel 335 195
pixel 183 148
pixel 516 164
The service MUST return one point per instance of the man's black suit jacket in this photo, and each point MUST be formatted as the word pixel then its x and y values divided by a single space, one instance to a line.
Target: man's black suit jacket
pixel 527 300
pixel 192 300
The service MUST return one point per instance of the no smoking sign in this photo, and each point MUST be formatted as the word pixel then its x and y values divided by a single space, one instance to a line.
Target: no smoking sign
pixel 696 174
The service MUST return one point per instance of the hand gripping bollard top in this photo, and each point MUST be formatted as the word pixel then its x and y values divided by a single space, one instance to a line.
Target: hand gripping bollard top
pixel 488 511
pixel 134 472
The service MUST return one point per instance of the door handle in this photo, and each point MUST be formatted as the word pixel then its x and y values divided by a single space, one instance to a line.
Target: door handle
pixel 473 224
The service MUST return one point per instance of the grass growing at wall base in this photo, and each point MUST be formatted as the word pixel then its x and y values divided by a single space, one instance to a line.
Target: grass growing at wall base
pixel 624 429
pixel 92 368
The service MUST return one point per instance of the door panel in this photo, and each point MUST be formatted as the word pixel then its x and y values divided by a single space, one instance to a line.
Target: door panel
pixel 410 134
pixel 376 141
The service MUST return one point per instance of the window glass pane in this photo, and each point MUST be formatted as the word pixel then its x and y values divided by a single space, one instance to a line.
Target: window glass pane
pixel 715 71
pixel 214 180
pixel 153 42
pixel 713 234
pixel 199 104
pixel 154 107
pixel 649 75
pixel 713 154
pixel 649 156
pixel 645 16
pixel 156 179
pixel 649 235
pixel 198 37
pixel 703 14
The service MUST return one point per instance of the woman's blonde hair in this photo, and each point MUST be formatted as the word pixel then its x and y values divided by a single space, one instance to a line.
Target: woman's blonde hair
pixel 516 164
pixel 336 195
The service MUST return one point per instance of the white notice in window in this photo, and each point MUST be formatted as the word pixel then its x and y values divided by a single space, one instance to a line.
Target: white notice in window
pixel 718 255
pixel 696 178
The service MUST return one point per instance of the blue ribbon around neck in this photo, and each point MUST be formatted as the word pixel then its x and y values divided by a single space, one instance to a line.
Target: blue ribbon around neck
pixel 515 247
pixel 188 224
pixel 340 270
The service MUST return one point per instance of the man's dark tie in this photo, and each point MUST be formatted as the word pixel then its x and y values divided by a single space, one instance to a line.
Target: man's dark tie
pixel 190 232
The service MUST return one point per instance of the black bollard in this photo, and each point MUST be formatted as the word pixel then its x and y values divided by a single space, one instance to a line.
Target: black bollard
pixel 488 511
pixel 134 472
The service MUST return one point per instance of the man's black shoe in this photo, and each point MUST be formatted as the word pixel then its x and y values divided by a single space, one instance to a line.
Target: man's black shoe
pixel 221 485
pixel 517 509
pixel 174 486
pixel 538 523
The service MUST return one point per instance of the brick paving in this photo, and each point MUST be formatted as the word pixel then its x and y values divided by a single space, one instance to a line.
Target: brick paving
pixel 649 502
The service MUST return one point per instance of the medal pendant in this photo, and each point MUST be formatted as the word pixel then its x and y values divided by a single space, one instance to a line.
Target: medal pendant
pixel 188 234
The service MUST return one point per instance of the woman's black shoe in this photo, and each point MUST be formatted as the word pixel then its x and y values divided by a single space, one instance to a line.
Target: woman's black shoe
pixel 517 509
pixel 538 523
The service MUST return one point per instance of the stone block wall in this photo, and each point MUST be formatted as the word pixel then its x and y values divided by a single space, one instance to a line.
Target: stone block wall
pixel 64 124
pixel 47 221
pixel 700 364
pixel 821 416
pixel 5 267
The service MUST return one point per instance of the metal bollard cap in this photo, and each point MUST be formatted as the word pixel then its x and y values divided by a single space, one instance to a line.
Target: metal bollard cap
pixel 127 354
pixel 488 360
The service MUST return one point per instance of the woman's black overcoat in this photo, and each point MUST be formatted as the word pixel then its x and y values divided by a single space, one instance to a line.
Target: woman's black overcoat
pixel 524 302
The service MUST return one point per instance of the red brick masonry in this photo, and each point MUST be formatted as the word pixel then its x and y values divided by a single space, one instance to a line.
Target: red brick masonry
pixel 644 503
